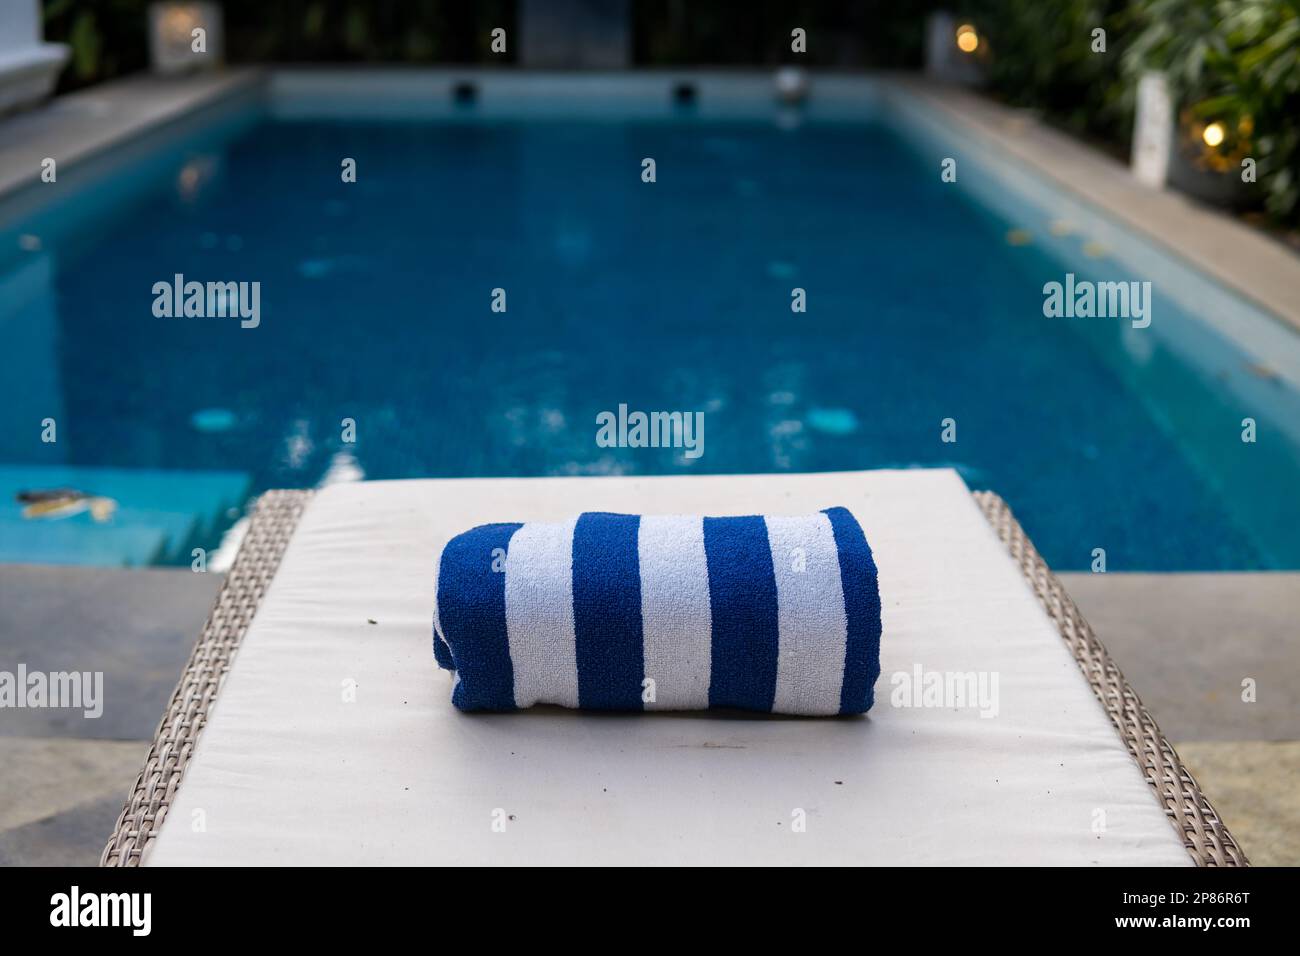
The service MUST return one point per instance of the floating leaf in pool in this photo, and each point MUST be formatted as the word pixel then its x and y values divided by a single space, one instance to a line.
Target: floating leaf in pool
pixel 1061 227
pixel 211 420
pixel 832 421
pixel 1019 237
pixel 1266 372
pixel 64 502
pixel 1093 249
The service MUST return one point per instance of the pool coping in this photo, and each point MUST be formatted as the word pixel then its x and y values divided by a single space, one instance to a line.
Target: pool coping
pixel 1251 263
pixel 76 126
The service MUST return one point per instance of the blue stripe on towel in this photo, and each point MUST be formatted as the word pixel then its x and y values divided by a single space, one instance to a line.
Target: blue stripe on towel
pixel 472 614
pixel 742 592
pixel 442 653
pixel 862 610
pixel 607 611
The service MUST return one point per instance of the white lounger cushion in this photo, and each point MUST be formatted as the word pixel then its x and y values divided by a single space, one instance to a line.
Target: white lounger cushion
pixel 288 771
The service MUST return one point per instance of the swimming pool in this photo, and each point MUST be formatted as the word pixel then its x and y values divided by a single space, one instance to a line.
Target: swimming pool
pixel 378 353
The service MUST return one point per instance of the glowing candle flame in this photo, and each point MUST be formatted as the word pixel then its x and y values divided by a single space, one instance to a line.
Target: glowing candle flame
pixel 178 23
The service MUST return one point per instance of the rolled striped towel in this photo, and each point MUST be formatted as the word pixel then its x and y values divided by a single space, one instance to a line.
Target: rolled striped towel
pixel 629 612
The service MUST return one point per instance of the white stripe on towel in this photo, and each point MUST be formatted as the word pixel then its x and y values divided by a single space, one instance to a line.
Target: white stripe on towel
pixel 810 615
pixel 539 614
pixel 676 620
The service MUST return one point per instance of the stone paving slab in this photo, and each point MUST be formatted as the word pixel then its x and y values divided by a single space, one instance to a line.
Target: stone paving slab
pixel 48 776
pixel 1255 785
pixel 1187 641
pixel 137 627
pixel 75 837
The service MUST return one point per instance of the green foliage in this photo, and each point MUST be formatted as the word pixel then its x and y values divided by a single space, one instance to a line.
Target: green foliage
pixel 878 34
pixel 86 43
pixel 110 37
pixel 107 38
pixel 1232 62
pixel 1040 54
pixel 871 33
pixel 1236 62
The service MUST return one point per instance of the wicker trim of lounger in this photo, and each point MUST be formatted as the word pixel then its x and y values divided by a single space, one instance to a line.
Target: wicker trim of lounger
pixel 274 519
pixel 1189 810
pixel 1203 834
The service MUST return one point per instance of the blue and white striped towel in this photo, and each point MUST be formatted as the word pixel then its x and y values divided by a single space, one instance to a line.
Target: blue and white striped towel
pixel 624 612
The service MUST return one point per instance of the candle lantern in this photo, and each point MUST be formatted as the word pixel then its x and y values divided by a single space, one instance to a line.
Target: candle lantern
pixel 184 37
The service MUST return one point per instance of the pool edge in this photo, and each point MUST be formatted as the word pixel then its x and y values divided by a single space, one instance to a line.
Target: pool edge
pixel 1244 260
pixel 81 126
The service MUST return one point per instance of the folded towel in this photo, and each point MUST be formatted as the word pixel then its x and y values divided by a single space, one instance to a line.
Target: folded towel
pixel 624 612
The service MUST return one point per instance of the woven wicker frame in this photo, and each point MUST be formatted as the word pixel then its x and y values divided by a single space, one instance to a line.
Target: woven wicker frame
pixel 1189 810
pixel 1198 825
pixel 274 519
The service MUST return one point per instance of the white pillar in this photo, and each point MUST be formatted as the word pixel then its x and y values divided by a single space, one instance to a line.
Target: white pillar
pixel 1153 131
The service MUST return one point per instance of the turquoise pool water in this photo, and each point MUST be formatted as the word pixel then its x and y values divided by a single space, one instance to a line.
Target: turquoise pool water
pixel 923 304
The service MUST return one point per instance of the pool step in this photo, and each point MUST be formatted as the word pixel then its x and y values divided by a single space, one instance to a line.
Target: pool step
pixel 160 516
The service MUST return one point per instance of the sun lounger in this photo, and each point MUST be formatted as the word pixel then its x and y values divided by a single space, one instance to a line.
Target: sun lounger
pixel 313 726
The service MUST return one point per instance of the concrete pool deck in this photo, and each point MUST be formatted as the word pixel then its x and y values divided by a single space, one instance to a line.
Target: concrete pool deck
pixel 71 129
